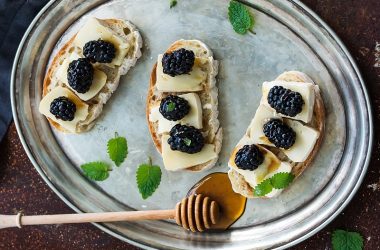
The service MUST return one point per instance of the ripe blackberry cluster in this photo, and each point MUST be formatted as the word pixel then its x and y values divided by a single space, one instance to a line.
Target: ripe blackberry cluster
pixel 186 139
pixel 174 108
pixel 280 134
pixel 178 62
pixel 285 101
pixel 80 75
pixel 99 51
pixel 249 157
pixel 63 108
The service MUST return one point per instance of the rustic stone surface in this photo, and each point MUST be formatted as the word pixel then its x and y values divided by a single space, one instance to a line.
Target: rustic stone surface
pixel 356 23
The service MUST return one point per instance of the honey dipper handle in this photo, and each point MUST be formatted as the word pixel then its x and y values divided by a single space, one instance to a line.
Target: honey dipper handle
pixel 20 220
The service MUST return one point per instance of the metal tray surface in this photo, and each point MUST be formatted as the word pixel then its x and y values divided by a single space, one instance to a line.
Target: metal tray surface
pixel 288 37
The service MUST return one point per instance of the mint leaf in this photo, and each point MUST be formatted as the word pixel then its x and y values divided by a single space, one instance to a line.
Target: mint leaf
pixel 173 3
pixel 97 171
pixel 187 141
pixel 343 240
pixel 117 149
pixel 170 107
pixel 240 18
pixel 265 187
pixel 281 180
pixel 148 178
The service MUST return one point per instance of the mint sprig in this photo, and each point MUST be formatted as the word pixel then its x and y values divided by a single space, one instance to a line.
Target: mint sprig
pixel 343 240
pixel 170 107
pixel 277 181
pixel 265 187
pixel 148 178
pixel 117 149
pixel 240 18
pixel 97 171
pixel 281 180
pixel 173 3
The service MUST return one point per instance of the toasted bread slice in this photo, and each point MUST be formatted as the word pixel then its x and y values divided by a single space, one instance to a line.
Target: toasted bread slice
pixel 124 30
pixel 208 96
pixel 238 182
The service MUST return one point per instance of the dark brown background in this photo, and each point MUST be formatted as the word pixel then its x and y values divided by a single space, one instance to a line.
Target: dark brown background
pixel 356 22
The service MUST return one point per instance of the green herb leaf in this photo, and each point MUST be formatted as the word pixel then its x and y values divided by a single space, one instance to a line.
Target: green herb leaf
pixel 97 171
pixel 173 3
pixel 343 240
pixel 265 187
pixel 148 178
pixel 281 180
pixel 170 107
pixel 117 149
pixel 187 141
pixel 240 17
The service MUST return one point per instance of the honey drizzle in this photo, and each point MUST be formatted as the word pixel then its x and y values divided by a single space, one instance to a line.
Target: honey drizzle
pixel 218 187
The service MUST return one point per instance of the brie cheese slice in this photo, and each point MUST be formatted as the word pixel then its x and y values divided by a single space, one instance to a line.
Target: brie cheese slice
pixel 306 137
pixel 177 160
pixel 255 130
pixel 191 82
pixel 193 118
pixel 94 30
pixel 81 108
pixel 307 91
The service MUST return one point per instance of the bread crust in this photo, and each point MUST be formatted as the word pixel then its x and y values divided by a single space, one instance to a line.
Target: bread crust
pixel 152 100
pixel 121 70
pixel 238 182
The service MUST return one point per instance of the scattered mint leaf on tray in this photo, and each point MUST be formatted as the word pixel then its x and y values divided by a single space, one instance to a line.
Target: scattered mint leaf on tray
pixel 343 240
pixel 117 149
pixel 148 178
pixel 265 187
pixel 97 171
pixel 240 18
pixel 173 3
pixel 281 180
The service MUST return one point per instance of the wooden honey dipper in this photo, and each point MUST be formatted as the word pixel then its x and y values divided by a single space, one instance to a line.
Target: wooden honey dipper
pixel 195 212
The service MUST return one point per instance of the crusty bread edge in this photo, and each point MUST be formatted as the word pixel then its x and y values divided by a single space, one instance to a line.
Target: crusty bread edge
pixel 239 185
pixel 123 69
pixel 156 138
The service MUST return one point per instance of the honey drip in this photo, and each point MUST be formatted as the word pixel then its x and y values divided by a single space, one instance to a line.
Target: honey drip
pixel 218 187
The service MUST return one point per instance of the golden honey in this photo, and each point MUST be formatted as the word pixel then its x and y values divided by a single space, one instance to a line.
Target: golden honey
pixel 218 187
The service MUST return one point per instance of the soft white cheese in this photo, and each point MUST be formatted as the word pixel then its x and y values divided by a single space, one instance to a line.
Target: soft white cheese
pixel 98 82
pixel 271 163
pixel 307 91
pixel 80 114
pixel 263 114
pixel 306 138
pixel 176 160
pixel 193 118
pixel 182 83
pixel 93 30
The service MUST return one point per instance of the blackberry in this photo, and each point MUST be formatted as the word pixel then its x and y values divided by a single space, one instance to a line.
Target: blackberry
pixel 186 139
pixel 80 75
pixel 178 62
pixel 249 157
pixel 99 51
pixel 285 101
pixel 280 134
pixel 63 108
pixel 174 108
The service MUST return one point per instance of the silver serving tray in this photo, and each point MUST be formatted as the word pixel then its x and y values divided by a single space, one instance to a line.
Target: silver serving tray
pixel 288 37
